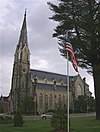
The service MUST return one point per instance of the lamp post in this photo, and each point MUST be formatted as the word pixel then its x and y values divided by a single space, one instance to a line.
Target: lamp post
pixel 35 95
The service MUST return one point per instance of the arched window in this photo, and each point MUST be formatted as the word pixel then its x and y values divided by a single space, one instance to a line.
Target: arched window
pixel 41 100
pixel 79 90
pixel 50 100
pixel 55 101
pixel 46 98
pixel 46 101
pixel 64 102
pixel 59 98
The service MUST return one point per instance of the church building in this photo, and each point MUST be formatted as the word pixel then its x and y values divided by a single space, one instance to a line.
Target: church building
pixel 47 89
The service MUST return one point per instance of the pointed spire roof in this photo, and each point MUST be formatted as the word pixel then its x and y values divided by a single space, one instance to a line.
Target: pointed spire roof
pixel 23 35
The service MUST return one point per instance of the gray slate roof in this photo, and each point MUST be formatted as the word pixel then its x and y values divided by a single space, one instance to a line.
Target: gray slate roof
pixel 51 87
pixel 50 77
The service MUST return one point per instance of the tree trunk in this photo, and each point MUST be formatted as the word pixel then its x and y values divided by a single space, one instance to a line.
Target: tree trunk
pixel 96 76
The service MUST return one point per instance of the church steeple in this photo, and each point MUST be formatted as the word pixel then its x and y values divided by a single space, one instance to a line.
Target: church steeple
pixel 23 34
pixel 21 68
pixel 22 51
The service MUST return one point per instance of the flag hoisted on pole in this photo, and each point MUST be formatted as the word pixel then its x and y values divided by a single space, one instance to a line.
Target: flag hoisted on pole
pixel 69 49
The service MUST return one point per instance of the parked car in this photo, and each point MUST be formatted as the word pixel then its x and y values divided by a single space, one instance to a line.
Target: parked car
pixel 47 115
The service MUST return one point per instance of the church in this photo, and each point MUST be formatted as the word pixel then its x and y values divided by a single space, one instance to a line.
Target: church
pixel 47 89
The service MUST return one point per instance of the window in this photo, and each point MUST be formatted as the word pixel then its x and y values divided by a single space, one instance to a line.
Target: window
pixel 59 99
pixel 41 100
pixel 79 90
pixel 50 100
pixel 64 100
pixel 55 101
pixel 24 70
pixel 46 102
pixel 46 98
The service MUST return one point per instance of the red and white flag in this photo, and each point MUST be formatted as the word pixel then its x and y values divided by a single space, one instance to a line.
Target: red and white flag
pixel 69 49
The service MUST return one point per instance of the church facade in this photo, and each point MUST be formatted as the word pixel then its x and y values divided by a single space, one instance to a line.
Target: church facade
pixel 46 88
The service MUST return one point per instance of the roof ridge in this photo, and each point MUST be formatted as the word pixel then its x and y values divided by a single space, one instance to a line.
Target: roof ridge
pixel 51 72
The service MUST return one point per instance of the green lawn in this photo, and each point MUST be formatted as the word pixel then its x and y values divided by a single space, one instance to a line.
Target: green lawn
pixel 83 124
pixel 29 126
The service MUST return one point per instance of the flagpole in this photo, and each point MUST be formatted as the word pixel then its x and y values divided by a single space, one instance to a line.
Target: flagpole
pixel 70 50
pixel 68 91
pixel 66 37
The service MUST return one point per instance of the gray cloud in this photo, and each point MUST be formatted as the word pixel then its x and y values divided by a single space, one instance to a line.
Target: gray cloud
pixel 43 48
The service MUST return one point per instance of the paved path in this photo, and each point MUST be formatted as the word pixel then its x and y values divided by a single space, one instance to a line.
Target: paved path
pixel 83 114
pixel 31 117
pixel 71 115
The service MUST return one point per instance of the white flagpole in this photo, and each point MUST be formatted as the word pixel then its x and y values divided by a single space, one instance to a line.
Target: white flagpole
pixel 68 91
pixel 66 35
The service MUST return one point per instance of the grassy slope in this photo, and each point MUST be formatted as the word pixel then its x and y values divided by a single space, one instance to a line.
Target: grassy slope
pixel 83 124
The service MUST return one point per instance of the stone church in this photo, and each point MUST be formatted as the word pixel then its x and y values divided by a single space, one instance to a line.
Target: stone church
pixel 45 88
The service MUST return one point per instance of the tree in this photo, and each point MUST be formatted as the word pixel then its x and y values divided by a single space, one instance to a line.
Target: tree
pixel 59 119
pixel 81 104
pixel 18 119
pixel 84 104
pixel 28 106
pixel 91 104
pixel 81 18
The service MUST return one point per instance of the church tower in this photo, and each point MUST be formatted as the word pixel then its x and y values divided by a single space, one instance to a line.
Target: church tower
pixel 20 87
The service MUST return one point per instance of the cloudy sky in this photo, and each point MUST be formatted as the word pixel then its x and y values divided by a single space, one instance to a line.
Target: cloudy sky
pixel 44 49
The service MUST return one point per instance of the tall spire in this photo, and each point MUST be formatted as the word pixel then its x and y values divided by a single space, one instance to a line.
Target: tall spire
pixel 23 34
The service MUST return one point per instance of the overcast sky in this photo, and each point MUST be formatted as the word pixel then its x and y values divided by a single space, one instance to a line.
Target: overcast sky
pixel 44 49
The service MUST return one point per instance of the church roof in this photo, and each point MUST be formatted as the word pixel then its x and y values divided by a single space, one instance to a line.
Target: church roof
pixel 41 75
pixel 50 75
pixel 43 86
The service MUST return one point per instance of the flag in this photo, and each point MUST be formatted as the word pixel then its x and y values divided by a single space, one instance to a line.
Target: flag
pixel 69 49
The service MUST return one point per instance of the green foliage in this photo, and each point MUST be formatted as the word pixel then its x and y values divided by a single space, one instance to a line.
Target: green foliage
pixel 81 20
pixel 84 104
pixel 51 110
pixel 92 104
pixel 5 119
pixel 81 104
pixel 1 110
pixel 28 106
pixel 59 119
pixel 18 119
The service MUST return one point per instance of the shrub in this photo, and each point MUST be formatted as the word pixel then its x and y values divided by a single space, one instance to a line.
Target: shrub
pixel 18 119
pixel 59 119
pixel 5 119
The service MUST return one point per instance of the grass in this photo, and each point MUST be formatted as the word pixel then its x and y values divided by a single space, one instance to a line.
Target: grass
pixel 79 124
pixel 85 124
pixel 29 126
